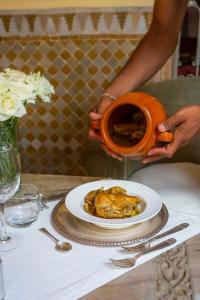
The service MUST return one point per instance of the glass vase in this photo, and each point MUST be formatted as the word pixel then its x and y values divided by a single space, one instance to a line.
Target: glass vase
pixel 9 134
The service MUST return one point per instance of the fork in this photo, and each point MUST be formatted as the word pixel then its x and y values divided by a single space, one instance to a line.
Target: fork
pixel 146 245
pixel 131 261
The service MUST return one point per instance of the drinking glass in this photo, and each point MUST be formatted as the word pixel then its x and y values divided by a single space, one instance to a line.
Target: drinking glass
pixel 9 184
pixel 24 207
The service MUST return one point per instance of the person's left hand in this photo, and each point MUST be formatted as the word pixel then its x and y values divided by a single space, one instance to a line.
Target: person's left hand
pixel 186 123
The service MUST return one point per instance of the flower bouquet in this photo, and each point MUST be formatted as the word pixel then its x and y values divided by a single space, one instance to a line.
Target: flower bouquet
pixel 17 90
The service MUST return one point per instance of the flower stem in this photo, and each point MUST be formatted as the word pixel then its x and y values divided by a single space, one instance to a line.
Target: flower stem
pixel 4 236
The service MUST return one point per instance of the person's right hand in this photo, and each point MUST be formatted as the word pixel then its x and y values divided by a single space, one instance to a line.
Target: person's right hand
pixel 95 115
pixel 186 122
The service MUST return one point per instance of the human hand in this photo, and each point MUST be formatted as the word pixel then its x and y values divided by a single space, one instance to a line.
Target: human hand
pixel 95 115
pixel 186 123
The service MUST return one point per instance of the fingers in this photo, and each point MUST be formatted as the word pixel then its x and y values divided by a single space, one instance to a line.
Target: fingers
pixel 158 151
pixel 92 133
pixel 171 122
pixel 156 154
pixel 94 136
pixel 151 159
pixel 110 153
pixel 103 104
pixel 165 152
pixel 94 116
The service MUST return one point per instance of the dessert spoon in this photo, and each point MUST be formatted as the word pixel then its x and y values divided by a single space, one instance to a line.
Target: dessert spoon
pixel 60 246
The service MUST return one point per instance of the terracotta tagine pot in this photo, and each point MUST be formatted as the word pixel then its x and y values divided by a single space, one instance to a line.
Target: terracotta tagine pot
pixel 129 125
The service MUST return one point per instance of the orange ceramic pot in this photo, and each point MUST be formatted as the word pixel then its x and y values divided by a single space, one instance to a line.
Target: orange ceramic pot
pixel 121 112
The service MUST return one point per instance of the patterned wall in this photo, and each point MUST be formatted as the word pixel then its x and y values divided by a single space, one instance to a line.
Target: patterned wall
pixel 76 22
pixel 80 52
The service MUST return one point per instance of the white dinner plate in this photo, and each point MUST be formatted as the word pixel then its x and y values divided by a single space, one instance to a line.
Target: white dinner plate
pixel 75 199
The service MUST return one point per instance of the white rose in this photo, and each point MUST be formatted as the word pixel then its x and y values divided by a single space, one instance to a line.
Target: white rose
pixel 42 87
pixel 18 89
pixel 24 92
pixel 10 106
pixel 14 75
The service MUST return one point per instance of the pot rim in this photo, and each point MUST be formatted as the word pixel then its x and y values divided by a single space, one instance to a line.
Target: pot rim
pixel 136 149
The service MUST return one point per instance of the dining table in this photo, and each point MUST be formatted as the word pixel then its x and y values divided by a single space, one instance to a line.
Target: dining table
pixel 173 274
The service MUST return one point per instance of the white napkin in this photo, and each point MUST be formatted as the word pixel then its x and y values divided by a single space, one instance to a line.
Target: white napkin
pixel 177 183
pixel 36 271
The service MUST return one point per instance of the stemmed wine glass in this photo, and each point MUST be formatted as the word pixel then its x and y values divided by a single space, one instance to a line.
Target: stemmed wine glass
pixel 9 184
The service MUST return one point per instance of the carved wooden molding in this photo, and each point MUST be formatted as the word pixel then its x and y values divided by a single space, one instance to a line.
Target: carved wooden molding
pixel 173 280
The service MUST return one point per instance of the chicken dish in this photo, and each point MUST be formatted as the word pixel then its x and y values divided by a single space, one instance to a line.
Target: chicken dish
pixel 133 131
pixel 112 203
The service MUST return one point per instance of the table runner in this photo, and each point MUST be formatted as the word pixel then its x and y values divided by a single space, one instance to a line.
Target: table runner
pixel 36 271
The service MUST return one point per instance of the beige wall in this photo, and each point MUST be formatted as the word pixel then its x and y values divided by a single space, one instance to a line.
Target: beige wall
pixel 20 4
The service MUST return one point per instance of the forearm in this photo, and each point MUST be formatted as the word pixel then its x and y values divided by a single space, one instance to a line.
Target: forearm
pixel 151 54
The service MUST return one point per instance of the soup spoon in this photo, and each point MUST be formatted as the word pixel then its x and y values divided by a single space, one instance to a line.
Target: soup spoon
pixel 60 246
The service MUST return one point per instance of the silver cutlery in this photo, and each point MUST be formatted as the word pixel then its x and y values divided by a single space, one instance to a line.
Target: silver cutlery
pixel 60 246
pixel 146 245
pixel 52 196
pixel 131 261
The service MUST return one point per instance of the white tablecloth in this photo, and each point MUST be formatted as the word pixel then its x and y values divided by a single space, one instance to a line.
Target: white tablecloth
pixel 35 271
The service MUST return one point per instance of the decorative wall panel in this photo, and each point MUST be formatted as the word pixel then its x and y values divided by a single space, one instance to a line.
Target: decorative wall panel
pixel 80 52
pixel 173 278
pixel 76 22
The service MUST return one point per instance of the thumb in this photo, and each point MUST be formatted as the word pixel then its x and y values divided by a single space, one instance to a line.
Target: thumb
pixel 170 123
pixel 94 116
pixel 103 104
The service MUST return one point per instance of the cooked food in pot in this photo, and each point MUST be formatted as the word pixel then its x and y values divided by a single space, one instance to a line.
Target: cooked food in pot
pixel 112 203
pixel 134 130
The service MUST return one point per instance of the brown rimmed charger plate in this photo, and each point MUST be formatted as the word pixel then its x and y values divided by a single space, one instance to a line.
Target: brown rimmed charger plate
pixel 86 233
